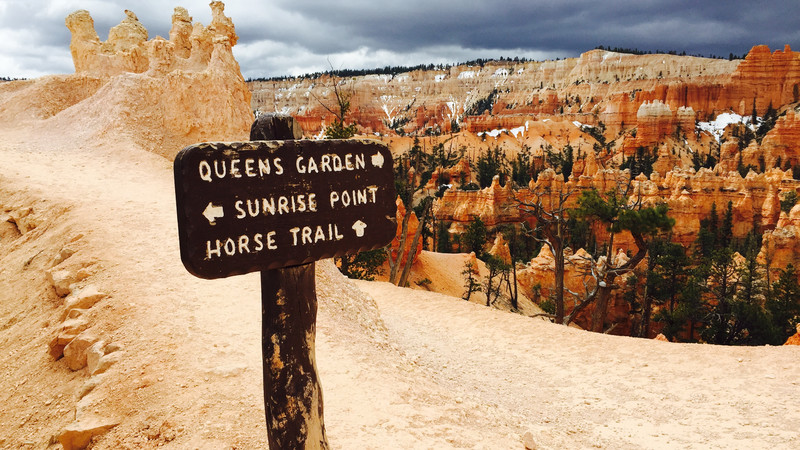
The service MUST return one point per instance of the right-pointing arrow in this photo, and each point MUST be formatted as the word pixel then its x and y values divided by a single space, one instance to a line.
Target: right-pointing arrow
pixel 377 160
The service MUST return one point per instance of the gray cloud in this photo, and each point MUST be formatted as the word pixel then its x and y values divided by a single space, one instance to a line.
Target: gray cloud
pixel 293 36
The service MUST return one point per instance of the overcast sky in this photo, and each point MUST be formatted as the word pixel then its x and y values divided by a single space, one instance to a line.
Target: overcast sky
pixel 292 37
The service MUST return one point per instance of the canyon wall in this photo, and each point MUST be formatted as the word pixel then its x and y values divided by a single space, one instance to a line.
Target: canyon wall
pixel 598 86
pixel 637 100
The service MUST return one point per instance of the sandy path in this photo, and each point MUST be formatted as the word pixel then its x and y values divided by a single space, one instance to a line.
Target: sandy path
pixel 579 389
pixel 192 373
pixel 417 370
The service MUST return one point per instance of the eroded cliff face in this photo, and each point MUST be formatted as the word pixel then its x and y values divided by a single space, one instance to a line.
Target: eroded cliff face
pixel 658 95
pixel 690 195
pixel 598 86
pixel 163 94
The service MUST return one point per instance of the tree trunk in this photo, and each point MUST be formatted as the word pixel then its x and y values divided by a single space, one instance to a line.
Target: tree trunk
pixel 293 396
pixel 344 264
pixel 646 304
pixel 601 303
pixel 514 295
pixel 489 287
pixel 646 312
pixel 292 393
pixel 558 256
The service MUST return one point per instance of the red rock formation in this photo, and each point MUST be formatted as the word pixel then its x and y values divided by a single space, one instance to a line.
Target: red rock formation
pixel 781 246
pixel 493 205
pixel 781 143
pixel 500 249
pixel 689 194
pixel 769 78
pixel 413 225
pixel 599 86
pixel 653 121
pixel 795 338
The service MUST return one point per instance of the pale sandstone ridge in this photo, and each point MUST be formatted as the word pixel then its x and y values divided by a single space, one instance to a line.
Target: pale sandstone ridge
pixel 162 94
pixel 598 86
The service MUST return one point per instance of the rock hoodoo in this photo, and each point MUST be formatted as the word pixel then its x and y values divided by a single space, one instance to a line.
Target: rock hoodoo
pixel 162 94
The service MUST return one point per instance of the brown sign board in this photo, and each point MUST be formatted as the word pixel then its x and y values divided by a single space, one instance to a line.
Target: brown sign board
pixel 260 205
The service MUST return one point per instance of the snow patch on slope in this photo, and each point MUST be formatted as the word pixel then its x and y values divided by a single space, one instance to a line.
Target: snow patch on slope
pixel 717 126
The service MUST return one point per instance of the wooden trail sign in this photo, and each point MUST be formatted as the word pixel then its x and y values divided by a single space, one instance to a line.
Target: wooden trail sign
pixel 276 207
pixel 251 206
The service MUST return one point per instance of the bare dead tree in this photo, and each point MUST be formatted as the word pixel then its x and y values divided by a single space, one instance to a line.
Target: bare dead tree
pixel 550 210
pixel 342 93
pixel 622 211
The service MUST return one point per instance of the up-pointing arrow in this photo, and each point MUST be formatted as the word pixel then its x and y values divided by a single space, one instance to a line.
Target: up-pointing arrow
pixel 358 227
pixel 212 213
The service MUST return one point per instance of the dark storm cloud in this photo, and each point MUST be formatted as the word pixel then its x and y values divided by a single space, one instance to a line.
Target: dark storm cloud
pixel 574 26
pixel 295 36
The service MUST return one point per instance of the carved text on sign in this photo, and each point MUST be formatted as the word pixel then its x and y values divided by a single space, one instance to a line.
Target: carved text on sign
pixel 261 205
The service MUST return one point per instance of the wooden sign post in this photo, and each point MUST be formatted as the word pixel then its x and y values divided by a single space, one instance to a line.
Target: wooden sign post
pixel 276 206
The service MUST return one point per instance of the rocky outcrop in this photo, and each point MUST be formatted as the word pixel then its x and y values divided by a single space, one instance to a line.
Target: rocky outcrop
pixel 766 78
pixel 781 246
pixel 79 434
pixel 402 255
pixel 493 205
pixel 653 121
pixel 500 249
pixel 190 48
pixel 689 194
pixel 162 94
pixel 795 338
pixel 780 146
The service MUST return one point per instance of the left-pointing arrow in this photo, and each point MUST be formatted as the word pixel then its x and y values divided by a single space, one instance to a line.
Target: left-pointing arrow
pixel 212 213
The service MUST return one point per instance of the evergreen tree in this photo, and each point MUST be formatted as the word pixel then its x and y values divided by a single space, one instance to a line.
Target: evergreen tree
pixel 666 277
pixel 562 161
pixel 725 236
pixel 522 168
pixel 474 237
pixel 721 287
pixel 443 242
pixel 750 323
pixel 363 265
pixel 492 284
pixel 489 165
pixel 706 241
pixel 640 162
pixel 619 214
pixel 784 303
pixel 471 283
pixel 631 297
pixel 788 201
pixel 767 123
pixel 692 310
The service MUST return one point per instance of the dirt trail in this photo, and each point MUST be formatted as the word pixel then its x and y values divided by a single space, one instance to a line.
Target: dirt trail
pixel 191 372
pixel 409 369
